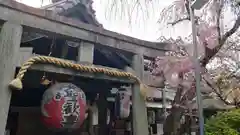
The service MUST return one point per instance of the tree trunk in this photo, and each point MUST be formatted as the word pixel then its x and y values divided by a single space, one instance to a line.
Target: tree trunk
pixel 172 121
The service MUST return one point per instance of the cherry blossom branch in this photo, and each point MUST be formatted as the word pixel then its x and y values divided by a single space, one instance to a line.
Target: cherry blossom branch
pixel 212 52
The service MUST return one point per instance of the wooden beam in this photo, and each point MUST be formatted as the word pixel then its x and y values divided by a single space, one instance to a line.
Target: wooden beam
pixel 10 38
pixel 140 122
pixel 51 24
pixel 59 70
pixel 25 53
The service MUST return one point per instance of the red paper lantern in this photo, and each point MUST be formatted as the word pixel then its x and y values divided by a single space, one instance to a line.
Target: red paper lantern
pixel 63 107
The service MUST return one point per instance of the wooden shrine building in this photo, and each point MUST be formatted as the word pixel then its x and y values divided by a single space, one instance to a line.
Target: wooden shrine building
pixel 68 30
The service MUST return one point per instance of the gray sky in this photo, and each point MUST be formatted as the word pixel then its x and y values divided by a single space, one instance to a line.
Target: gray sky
pixel 143 21
pixel 143 25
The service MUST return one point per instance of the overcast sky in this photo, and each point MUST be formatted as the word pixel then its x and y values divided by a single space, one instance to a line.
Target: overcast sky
pixel 143 21
pixel 143 25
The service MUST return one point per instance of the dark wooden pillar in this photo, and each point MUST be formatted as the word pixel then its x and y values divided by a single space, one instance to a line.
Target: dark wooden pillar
pixel 10 38
pixel 164 103
pixel 102 113
pixel 139 110
pixel 86 54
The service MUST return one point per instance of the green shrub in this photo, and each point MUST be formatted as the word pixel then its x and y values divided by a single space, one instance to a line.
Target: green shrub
pixel 224 123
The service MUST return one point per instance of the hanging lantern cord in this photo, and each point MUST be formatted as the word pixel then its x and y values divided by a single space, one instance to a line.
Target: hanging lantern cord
pixel 46 81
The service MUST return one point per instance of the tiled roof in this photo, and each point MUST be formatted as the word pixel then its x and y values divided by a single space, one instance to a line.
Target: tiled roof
pixel 85 6
pixel 81 8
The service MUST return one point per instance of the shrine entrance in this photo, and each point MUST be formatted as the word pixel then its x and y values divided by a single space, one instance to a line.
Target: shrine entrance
pixel 31 74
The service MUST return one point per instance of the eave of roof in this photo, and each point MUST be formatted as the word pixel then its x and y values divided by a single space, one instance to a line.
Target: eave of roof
pixel 83 7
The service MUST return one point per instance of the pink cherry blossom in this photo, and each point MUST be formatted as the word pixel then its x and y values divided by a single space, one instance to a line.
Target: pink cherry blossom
pixel 207 35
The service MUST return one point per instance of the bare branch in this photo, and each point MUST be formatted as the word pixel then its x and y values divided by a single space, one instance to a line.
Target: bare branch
pixel 178 21
pixel 216 91
pixel 187 7
pixel 183 19
pixel 219 11
pixel 230 32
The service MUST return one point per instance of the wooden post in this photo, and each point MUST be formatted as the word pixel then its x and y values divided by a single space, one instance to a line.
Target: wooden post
pixel 64 50
pixel 139 110
pixel 86 52
pixel 164 102
pixel 10 39
pixel 102 113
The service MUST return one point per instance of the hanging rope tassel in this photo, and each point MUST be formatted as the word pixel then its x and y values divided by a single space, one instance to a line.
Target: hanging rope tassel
pixel 17 82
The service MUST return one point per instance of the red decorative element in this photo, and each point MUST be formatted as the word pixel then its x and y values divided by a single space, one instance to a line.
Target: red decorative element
pixel 54 112
pixel 63 106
